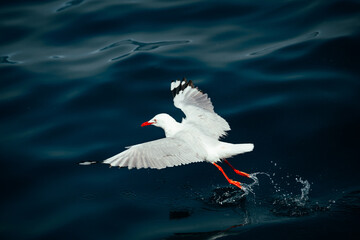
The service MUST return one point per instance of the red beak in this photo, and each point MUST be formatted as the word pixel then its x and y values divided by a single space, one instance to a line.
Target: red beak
pixel 146 124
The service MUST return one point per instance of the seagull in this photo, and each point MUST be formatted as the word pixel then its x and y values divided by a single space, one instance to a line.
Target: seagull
pixel 195 139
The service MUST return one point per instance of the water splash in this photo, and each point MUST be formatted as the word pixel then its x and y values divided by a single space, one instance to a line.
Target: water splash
pixel 248 188
pixel 299 200
pixel 286 200
pixel 226 197
pixel 289 204
pixel 289 198
pixel 232 196
pixel 304 197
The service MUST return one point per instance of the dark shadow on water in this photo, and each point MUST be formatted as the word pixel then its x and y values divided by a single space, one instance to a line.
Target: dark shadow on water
pixel 180 213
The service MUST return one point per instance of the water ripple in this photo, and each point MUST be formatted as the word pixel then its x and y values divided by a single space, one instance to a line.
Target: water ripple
pixel 6 60
pixel 286 43
pixel 139 46
pixel 69 4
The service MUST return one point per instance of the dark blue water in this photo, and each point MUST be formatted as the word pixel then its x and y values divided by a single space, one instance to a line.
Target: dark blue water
pixel 79 77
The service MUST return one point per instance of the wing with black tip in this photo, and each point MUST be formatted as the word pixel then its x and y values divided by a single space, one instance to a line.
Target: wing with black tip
pixel 198 108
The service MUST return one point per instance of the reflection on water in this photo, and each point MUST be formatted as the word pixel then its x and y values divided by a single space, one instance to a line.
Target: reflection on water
pixel 217 234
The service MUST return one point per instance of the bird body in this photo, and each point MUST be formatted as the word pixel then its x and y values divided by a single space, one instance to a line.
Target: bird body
pixel 195 139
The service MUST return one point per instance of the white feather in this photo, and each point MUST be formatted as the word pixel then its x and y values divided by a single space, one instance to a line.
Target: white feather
pixel 200 112
pixel 162 153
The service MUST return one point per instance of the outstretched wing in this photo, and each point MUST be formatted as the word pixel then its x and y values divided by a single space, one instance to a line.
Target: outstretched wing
pixel 198 108
pixel 161 153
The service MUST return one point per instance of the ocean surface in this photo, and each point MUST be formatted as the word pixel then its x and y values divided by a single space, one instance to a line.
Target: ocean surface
pixel 78 77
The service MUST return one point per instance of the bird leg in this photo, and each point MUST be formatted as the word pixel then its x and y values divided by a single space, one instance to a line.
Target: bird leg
pixel 237 171
pixel 229 180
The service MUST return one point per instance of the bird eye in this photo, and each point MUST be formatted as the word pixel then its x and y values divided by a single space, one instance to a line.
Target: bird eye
pixel 155 120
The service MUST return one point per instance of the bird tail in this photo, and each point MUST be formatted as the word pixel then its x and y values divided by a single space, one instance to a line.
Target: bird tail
pixel 227 150
pixel 244 147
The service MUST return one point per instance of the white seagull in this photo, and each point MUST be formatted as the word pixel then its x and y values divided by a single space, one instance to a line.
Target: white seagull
pixel 195 139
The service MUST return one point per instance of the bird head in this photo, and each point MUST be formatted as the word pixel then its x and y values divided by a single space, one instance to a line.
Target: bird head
pixel 159 120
